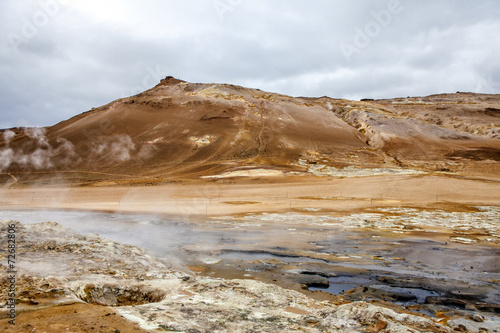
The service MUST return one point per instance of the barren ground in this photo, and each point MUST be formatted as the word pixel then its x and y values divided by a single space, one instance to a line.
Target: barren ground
pixel 310 205
pixel 387 199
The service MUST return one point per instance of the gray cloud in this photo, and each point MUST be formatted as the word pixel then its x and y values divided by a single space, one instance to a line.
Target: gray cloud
pixel 88 53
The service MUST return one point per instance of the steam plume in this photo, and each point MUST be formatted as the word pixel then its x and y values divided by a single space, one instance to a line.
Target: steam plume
pixel 38 153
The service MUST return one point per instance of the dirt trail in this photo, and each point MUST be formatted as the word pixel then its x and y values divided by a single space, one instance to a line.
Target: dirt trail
pixel 13 178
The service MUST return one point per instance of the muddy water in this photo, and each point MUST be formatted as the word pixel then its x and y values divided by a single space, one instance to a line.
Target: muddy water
pixel 362 256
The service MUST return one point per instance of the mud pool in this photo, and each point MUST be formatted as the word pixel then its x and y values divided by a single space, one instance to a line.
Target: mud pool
pixel 427 261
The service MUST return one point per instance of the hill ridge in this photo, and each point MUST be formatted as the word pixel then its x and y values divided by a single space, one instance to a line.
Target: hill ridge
pixel 212 129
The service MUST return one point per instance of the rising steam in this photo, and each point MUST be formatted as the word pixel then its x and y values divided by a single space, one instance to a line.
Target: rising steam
pixel 7 136
pixel 116 148
pixel 38 153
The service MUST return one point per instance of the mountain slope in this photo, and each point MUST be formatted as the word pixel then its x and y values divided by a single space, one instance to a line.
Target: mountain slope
pixel 181 129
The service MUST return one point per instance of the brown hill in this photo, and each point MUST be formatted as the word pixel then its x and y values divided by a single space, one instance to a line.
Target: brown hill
pixel 180 130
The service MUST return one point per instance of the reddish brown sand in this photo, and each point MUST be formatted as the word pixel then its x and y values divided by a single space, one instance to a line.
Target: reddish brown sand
pixel 77 318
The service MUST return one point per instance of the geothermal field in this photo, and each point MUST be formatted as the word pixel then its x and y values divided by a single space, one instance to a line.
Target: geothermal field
pixel 219 208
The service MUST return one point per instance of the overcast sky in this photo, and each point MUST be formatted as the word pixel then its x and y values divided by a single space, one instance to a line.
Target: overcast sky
pixel 62 57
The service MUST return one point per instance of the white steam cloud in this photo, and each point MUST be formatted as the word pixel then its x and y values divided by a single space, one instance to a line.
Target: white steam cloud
pixel 38 153
pixel 116 148
pixel 6 156
pixel 38 136
pixel 8 135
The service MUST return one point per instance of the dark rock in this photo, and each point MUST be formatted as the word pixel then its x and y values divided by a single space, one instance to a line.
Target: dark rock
pixel 446 301
pixel 312 280
pixel 170 80
pixel 465 295
pixel 488 307
pixel 319 273
pixel 460 328
pixel 392 294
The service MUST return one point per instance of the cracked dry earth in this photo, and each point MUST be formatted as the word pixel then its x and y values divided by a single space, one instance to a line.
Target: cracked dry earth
pixel 68 282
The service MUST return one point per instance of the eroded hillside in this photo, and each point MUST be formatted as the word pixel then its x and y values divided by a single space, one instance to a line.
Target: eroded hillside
pixel 210 131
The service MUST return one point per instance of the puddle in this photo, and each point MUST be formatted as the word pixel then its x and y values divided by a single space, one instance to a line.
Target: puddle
pixel 250 256
pixel 374 289
pixel 341 284
pixel 407 296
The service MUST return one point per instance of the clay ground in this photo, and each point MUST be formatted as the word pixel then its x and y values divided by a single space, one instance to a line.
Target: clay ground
pixel 71 318
pixel 274 194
